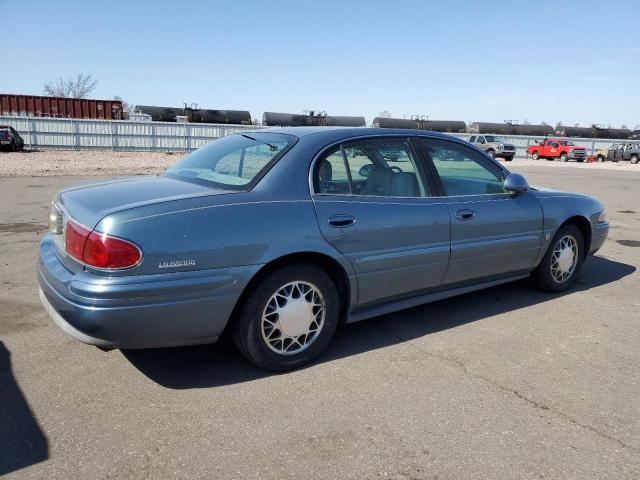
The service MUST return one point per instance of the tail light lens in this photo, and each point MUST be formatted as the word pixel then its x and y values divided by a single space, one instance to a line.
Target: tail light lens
pixel 99 249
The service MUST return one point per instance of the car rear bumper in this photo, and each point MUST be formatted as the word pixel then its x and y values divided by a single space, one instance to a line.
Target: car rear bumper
pixel 139 311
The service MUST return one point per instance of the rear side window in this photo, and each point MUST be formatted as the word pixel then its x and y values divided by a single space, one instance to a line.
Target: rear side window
pixel 462 170
pixel 375 167
pixel 235 162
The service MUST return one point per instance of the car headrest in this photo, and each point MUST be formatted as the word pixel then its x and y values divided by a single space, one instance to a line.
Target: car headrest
pixel 404 184
pixel 325 171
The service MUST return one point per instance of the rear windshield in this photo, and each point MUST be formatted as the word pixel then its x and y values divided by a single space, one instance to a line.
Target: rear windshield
pixel 566 143
pixel 235 162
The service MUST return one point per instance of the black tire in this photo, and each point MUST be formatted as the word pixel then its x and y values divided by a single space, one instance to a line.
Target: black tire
pixel 509 158
pixel 247 330
pixel 563 157
pixel 535 155
pixel 492 153
pixel 600 158
pixel 634 159
pixel 543 277
pixel 580 160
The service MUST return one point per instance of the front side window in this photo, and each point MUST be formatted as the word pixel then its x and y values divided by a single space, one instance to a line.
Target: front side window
pixel 376 167
pixel 462 170
pixel 472 139
pixel 232 162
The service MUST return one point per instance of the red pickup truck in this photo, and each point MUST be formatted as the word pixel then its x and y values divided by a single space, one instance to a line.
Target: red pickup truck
pixel 557 148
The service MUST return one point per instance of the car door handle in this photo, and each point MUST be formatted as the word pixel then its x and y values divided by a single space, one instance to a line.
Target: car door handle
pixel 465 214
pixel 341 221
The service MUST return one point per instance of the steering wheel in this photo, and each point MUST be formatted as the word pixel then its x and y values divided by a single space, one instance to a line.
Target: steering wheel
pixel 395 168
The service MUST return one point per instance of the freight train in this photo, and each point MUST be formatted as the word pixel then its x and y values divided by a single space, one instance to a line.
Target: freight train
pixel 57 107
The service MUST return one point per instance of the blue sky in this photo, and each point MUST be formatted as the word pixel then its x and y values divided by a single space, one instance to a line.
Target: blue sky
pixel 572 61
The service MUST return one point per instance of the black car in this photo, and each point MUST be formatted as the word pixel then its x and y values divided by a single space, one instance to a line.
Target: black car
pixel 10 140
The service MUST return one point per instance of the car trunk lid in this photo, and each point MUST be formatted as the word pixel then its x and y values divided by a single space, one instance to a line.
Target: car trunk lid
pixel 89 203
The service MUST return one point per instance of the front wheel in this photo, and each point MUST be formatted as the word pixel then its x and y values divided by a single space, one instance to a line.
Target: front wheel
pixel 564 158
pixel 559 268
pixel 508 159
pixel 288 319
pixel 634 159
pixel 600 158
pixel 492 153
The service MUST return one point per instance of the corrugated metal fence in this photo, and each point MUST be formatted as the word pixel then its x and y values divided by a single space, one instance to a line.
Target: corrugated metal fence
pixel 78 134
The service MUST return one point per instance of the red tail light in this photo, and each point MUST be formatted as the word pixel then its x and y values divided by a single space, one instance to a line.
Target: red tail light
pixel 99 249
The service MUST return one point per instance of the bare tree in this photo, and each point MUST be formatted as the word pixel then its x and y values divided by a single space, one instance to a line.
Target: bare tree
pixel 385 114
pixel 81 87
pixel 126 106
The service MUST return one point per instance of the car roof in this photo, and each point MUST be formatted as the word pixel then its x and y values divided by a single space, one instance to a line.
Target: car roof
pixel 348 132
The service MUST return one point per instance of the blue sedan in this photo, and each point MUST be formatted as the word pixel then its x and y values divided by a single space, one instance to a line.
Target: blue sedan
pixel 276 236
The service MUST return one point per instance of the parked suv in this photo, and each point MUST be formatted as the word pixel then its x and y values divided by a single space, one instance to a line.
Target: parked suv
pixel 10 139
pixel 494 146
pixel 624 151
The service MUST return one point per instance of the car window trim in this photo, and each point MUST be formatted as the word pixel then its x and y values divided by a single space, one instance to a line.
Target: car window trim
pixel 344 141
pixel 483 155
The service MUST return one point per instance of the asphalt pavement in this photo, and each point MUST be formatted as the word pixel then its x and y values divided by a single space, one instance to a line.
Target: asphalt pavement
pixel 504 383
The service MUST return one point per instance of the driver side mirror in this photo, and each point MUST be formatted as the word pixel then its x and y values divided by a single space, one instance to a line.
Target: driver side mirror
pixel 516 183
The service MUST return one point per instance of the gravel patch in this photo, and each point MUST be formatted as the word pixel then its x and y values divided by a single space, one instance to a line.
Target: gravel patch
pixel 55 163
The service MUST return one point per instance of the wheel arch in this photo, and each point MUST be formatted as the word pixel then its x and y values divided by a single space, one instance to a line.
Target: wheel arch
pixel 585 227
pixel 325 262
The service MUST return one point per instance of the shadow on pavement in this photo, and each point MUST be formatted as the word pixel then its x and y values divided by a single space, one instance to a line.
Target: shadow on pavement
pixel 22 442
pixel 219 364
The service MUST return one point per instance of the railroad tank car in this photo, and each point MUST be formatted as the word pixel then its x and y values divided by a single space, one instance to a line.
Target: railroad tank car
pixel 60 107
pixel 539 130
pixel 621 133
pixel 236 117
pixel 594 132
pixel 278 119
pixel 490 127
pixel 584 132
pixel 160 114
pixel 452 126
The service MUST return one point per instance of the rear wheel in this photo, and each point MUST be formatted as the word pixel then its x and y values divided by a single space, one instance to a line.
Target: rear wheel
pixel 634 159
pixel 288 319
pixel 559 268
pixel 535 155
